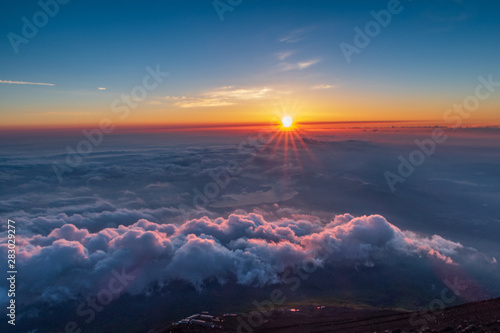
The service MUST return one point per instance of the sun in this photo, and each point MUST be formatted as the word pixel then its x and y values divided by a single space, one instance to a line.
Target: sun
pixel 287 121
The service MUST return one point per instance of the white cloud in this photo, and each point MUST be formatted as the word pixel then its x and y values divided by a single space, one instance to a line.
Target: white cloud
pixel 323 86
pixel 203 102
pixel 245 246
pixel 222 96
pixel 295 36
pixel 175 98
pixel 239 94
pixel 283 55
pixel 286 66
pixel 23 82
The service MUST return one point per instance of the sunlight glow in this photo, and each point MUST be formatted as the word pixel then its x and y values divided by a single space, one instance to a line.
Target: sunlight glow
pixel 287 140
pixel 287 121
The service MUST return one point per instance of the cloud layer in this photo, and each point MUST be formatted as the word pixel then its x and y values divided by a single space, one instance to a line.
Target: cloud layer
pixel 244 248
pixel 132 205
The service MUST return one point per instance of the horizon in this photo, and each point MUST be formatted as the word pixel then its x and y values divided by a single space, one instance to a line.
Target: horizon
pixel 275 123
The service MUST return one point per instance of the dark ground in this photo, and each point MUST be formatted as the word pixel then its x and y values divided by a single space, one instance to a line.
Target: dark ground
pixel 474 317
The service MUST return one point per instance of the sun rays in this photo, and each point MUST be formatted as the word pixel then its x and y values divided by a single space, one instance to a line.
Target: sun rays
pixel 287 139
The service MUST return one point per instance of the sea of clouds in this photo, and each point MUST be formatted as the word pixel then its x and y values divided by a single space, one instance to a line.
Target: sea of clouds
pixel 131 206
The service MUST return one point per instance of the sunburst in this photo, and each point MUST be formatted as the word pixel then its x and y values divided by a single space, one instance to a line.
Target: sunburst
pixel 287 137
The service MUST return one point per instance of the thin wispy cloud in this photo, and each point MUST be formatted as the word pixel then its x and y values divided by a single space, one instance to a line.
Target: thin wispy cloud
pixel 23 82
pixel 223 96
pixel 287 66
pixel 283 55
pixel 101 88
pixel 203 103
pixel 295 36
pixel 174 98
pixel 239 93
pixel 323 86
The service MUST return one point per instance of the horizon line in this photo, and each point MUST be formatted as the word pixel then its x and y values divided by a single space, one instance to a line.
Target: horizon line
pixel 181 126
pixel 216 126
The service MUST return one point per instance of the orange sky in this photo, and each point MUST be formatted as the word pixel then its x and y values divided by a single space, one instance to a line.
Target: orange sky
pixel 334 104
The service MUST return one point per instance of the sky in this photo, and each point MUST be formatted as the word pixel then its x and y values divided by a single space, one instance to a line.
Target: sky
pixel 244 63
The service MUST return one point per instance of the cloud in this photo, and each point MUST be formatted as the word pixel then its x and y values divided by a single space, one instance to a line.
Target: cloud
pixel 295 36
pixel 240 93
pixel 254 198
pixel 223 96
pixel 287 66
pixel 323 86
pixel 245 248
pixel 22 82
pixel 158 184
pixel 283 55
pixel 101 88
pixel 203 103
pixel 175 98
pixel 121 209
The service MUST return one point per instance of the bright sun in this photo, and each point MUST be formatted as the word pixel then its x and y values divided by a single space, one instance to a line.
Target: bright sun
pixel 287 121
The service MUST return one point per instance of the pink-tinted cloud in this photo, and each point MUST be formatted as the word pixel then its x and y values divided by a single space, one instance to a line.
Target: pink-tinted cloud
pixel 245 248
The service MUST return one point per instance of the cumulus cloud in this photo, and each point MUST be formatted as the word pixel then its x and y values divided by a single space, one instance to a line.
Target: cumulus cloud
pixel 245 248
